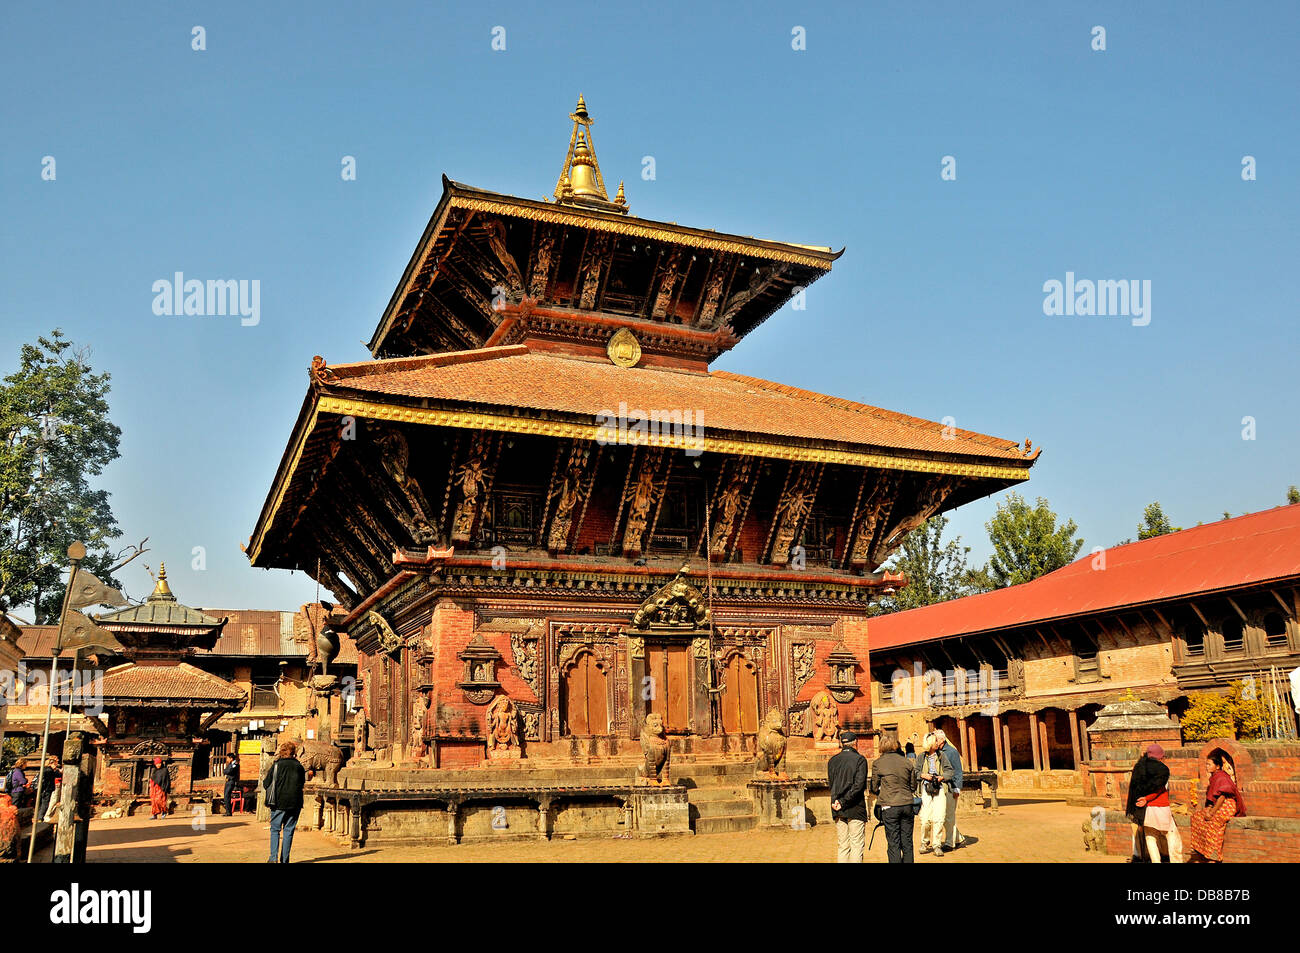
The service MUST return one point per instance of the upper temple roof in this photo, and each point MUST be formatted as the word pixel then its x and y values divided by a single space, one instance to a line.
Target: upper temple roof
pixel 483 255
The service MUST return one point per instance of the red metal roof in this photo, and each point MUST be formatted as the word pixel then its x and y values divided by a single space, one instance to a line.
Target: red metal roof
pixel 1246 550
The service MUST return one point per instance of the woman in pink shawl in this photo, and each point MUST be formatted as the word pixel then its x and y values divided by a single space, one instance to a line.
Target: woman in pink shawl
pixel 160 783
pixel 1222 803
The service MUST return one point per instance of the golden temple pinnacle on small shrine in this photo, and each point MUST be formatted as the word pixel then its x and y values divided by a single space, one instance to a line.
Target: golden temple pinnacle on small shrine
pixel 580 181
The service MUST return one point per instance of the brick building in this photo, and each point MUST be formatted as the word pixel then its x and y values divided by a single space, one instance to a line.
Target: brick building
pixel 1016 676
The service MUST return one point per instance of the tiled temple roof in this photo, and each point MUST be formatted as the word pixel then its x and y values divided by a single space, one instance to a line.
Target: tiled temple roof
pixel 177 682
pixel 519 377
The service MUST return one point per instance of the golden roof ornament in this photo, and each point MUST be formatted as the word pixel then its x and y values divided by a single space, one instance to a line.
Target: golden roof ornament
pixel 580 182
pixel 162 592
pixel 623 348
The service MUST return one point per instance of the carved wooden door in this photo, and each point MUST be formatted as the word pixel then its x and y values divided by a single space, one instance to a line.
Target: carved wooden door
pixel 669 666
pixel 740 697
pixel 586 699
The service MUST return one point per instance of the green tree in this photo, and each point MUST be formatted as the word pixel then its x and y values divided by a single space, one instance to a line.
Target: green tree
pixel 1292 494
pixel 1027 543
pixel 936 571
pixel 1155 523
pixel 55 434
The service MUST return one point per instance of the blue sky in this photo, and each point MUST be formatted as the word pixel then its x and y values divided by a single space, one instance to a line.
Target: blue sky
pixel 1122 164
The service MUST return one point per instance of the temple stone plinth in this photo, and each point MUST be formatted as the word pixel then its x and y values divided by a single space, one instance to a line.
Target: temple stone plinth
pixel 660 810
pixel 778 803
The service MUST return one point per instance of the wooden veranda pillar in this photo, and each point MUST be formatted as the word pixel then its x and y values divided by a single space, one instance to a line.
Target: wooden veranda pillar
pixel 999 761
pixel 1074 739
pixel 1044 748
pixel 1034 740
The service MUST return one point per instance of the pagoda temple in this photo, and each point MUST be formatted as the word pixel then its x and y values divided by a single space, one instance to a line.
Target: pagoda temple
pixel 547 518
pixel 154 702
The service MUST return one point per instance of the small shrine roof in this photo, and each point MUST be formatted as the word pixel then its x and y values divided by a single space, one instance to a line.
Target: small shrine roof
pixel 178 682
pixel 161 608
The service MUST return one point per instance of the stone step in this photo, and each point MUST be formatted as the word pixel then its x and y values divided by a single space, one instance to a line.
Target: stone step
pixel 729 807
pixel 719 793
pixel 726 824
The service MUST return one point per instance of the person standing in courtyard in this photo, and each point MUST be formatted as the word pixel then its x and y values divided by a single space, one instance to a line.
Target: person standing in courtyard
pixel 934 775
pixel 847 774
pixel 952 838
pixel 283 785
pixel 1222 803
pixel 49 773
pixel 893 785
pixel 18 783
pixel 160 785
pixel 232 779
pixel 1153 802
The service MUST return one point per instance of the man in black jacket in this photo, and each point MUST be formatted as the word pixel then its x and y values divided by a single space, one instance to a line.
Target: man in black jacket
pixel 847 774
pixel 232 778
pixel 283 785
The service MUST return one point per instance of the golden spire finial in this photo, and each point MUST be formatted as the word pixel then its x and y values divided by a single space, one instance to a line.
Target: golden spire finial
pixel 580 181
pixel 161 591
pixel 620 198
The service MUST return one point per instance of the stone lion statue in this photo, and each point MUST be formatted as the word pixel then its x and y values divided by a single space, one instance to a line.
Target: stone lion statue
pixel 654 745
pixel 1094 832
pixel 771 746
pixel 321 756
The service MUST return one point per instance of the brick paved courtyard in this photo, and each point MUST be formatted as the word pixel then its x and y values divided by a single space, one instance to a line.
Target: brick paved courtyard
pixel 1021 831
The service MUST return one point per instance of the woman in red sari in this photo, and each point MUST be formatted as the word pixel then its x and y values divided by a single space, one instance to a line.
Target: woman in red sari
pixel 160 783
pixel 1222 803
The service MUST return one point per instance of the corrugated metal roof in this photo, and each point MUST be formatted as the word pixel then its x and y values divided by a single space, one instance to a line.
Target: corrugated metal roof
pixel 259 632
pixel 1246 550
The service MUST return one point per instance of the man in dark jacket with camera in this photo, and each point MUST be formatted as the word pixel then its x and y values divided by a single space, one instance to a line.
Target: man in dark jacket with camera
pixel 283 785
pixel 847 774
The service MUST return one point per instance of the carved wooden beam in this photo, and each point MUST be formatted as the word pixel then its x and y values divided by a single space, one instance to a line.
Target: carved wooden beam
pixel 721 268
pixel 326 572
pixel 571 490
pixel 643 497
pixel 667 284
pixel 873 512
pixel 353 476
pixel 439 309
pixel 395 455
pixel 731 503
pixel 591 486
pixel 592 268
pixel 929 500
pixel 372 548
pixel 540 267
pixel 792 509
pixel 468 289
pixel 633 455
pixel 354 565
pixel 665 473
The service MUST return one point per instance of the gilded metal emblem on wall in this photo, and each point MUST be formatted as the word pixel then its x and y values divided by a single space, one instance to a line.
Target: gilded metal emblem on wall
pixel 624 349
